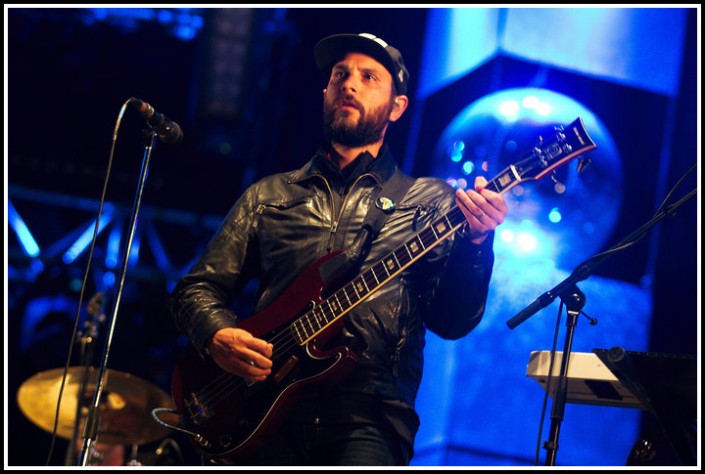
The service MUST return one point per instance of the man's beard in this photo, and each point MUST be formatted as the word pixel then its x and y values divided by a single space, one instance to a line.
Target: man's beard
pixel 369 129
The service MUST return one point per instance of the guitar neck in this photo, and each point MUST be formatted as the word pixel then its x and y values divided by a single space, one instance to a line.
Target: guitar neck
pixel 362 286
pixel 346 298
pixel 542 159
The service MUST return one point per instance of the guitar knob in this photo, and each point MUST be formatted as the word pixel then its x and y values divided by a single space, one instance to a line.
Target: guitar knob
pixel 225 441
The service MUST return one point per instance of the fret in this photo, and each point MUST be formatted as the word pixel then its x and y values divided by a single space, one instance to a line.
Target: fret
pixel 372 271
pixel 295 328
pixel 504 180
pixel 346 294
pixel 440 228
pixel 316 319
pixel 322 309
pixel 389 265
pixel 448 222
pixel 368 281
pixel 433 229
pixel 321 316
pixel 413 247
pixel 357 287
pixel 320 319
pixel 493 186
pixel 394 254
pixel 402 255
pixel 455 216
pixel 427 237
pixel 366 289
pixel 310 324
pixel 333 309
pixel 326 316
pixel 337 300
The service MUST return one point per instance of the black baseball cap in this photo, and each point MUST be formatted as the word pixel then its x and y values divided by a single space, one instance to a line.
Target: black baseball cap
pixel 332 48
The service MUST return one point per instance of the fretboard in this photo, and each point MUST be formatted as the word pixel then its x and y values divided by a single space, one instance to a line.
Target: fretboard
pixel 540 160
pixel 335 306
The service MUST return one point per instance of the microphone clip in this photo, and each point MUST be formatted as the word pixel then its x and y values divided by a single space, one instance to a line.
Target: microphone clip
pixel 167 130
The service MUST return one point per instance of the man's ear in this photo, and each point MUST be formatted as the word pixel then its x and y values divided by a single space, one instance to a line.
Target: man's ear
pixel 401 102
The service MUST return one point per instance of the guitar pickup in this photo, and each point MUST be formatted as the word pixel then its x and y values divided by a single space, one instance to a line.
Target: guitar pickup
pixel 285 368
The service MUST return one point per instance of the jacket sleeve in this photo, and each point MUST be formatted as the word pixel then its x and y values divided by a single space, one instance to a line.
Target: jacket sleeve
pixel 458 299
pixel 202 299
pixel 453 303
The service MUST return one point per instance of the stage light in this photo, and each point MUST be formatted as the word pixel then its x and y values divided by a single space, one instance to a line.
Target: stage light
pixel 25 237
pixel 183 23
pixel 85 239
pixel 571 214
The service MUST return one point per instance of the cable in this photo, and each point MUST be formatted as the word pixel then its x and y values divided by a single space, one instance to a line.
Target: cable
pixel 85 278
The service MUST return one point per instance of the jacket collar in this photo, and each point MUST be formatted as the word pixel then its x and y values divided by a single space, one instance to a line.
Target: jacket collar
pixel 381 170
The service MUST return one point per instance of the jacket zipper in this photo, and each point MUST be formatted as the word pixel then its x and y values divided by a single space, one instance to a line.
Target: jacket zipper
pixel 336 219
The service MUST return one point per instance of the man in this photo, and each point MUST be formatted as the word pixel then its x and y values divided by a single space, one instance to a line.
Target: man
pixel 285 223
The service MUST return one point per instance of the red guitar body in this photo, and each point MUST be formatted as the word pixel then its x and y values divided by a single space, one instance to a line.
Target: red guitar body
pixel 233 417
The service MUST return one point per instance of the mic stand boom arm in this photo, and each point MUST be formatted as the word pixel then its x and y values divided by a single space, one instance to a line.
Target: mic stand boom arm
pixel 584 270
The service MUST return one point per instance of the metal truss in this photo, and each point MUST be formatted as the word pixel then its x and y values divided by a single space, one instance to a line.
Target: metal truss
pixel 53 230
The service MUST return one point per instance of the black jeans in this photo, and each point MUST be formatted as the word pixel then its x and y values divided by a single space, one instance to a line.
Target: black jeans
pixel 339 444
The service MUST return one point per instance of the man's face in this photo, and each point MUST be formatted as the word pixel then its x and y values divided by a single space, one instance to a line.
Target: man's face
pixel 358 101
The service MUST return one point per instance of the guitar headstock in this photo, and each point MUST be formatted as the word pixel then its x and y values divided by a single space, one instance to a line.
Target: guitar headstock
pixel 567 143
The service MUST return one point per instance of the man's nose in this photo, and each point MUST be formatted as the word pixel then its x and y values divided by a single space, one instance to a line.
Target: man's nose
pixel 349 84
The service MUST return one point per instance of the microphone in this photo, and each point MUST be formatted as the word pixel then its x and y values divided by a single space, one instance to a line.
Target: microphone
pixel 168 131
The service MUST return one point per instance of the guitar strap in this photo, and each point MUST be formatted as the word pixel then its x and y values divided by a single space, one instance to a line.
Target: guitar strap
pixel 385 203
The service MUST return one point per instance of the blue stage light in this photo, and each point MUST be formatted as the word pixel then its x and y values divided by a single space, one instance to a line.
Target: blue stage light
pixel 572 214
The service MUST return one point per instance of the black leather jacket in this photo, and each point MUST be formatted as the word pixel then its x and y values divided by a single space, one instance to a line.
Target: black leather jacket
pixel 283 223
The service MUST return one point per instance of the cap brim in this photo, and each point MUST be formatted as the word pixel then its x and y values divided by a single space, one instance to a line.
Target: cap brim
pixel 333 48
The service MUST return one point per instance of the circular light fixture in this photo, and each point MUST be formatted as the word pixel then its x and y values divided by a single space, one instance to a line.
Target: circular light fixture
pixel 566 216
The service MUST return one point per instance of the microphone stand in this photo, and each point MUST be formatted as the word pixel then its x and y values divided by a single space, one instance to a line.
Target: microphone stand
pixel 91 426
pixel 87 341
pixel 574 300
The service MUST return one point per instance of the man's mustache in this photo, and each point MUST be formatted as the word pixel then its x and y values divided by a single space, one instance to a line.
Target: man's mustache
pixel 348 101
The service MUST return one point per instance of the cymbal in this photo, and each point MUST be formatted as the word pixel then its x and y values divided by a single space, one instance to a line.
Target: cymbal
pixel 124 410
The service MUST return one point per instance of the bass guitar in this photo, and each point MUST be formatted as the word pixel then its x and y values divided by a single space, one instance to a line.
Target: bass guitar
pixel 229 417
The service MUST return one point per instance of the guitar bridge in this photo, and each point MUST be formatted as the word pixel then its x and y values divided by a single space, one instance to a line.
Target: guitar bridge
pixel 197 411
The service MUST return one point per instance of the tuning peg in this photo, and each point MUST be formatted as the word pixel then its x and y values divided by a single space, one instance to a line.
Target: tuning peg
pixel 583 164
pixel 558 185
